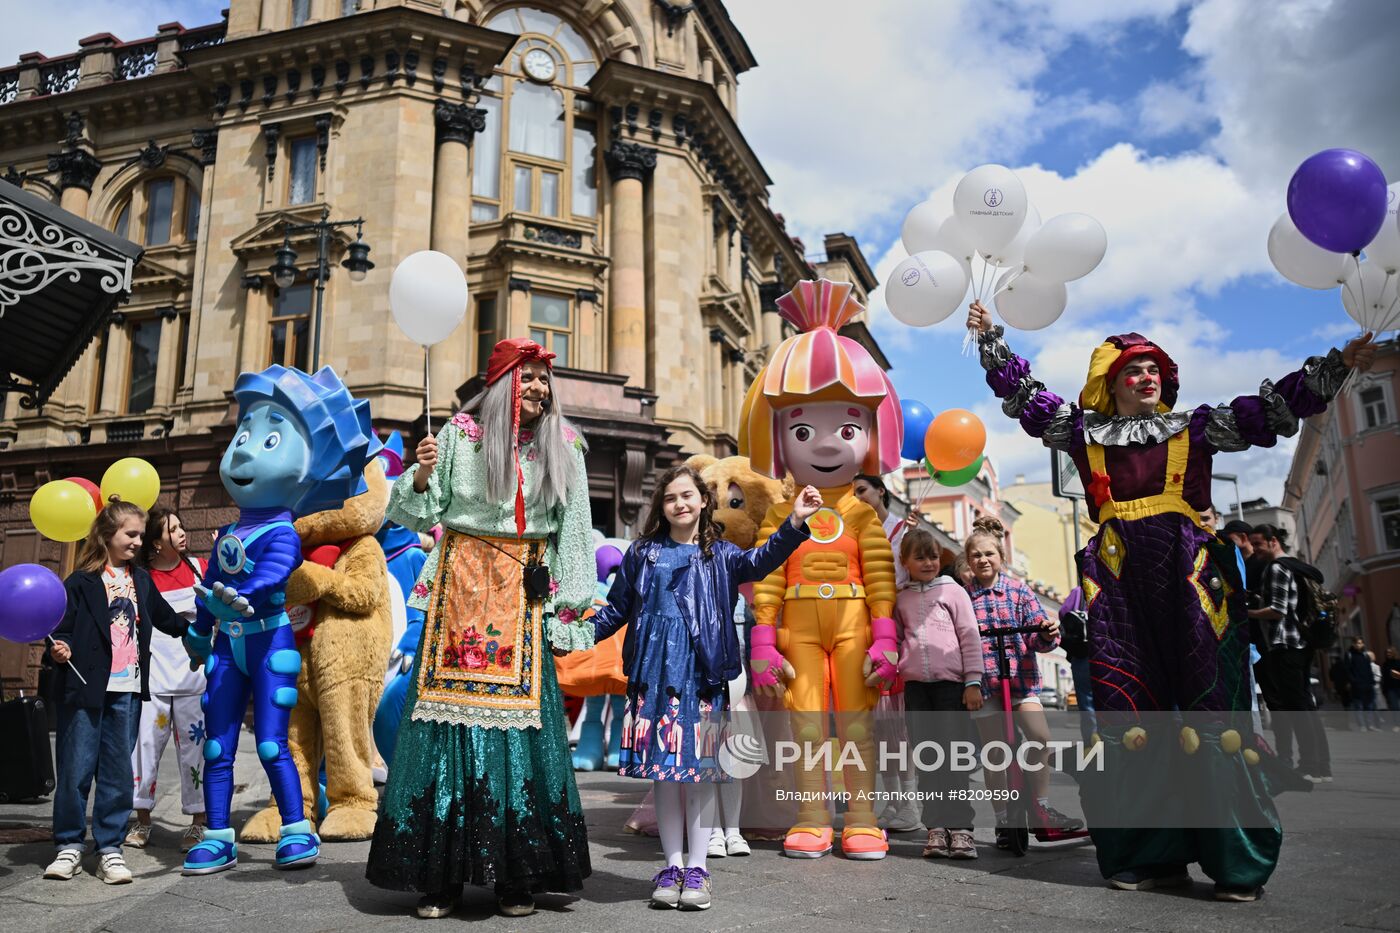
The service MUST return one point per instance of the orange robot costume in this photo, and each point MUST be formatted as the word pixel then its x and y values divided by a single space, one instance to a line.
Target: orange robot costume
pixel 823 410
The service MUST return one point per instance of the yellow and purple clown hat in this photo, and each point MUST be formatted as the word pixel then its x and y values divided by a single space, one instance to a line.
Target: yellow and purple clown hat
pixel 1110 357
pixel 817 364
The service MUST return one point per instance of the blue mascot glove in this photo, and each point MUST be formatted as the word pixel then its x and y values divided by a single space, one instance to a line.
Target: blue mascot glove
pixel 223 602
pixel 198 646
pixel 408 645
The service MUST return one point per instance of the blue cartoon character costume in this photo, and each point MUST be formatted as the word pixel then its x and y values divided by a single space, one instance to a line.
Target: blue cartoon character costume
pixel 301 446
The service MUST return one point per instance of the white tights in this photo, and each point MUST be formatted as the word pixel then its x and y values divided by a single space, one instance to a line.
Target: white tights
pixel 684 811
pixel 731 801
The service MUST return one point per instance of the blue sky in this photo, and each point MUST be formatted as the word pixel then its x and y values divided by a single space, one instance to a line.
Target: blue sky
pixel 1176 123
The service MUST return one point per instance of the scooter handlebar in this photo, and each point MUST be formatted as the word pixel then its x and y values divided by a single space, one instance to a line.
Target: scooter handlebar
pixel 989 632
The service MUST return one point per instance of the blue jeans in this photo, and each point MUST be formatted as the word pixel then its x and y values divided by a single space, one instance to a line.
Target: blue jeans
pixel 1084 695
pixel 95 743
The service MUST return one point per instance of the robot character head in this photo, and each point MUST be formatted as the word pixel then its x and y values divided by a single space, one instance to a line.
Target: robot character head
pixel 822 409
pixel 302 441
pixel 1107 362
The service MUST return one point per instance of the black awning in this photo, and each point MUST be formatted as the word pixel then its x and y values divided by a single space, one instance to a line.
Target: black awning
pixel 60 277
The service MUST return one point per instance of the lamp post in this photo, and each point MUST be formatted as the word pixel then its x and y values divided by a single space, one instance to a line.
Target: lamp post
pixel 356 262
pixel 1232 478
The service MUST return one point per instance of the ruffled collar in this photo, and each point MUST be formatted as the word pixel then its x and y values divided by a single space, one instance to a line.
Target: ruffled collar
pixel 1124 430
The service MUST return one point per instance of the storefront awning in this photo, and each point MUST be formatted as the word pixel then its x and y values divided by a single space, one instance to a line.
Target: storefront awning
pixel 60 277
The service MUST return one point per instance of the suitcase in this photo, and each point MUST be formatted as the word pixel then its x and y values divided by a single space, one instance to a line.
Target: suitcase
pixel 26 769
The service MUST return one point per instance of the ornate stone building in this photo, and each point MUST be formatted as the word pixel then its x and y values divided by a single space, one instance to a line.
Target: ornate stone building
pixel 581 160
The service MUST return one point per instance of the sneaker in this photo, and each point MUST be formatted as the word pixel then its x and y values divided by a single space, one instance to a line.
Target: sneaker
pixel 666 886
pixel 439 903
pixel 217 851
pixel 1325 779
pixel 138 835
pixel 735 844
pixel 68 863
pixel 1054 819
pixel 695 895
pixel 111 869
pixel 1173 876
pixel 960 844
pixel 297 846
pixel 1003 835
pixel 191 837
pixel 515 902
pixel 937 844
pixel 1311 778
pixel 906 819
pixel 717 847
pixel 1238 895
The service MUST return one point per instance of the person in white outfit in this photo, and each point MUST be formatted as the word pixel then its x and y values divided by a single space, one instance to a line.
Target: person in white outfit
pixel 174 708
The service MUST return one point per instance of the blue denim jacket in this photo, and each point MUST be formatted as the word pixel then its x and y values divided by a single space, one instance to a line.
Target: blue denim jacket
pixel 705 592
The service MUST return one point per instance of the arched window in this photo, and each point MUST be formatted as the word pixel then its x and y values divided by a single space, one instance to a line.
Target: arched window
pixel 159 211
pixel 543 161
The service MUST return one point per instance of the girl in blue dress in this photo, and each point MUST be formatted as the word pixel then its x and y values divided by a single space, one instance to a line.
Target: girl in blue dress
pixel 677 587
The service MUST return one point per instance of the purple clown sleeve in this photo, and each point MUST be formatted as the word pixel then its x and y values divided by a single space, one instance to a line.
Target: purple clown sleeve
pixel 1042 413
pixel 1260 420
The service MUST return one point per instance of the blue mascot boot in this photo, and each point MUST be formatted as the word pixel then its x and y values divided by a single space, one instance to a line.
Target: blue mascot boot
pixel 216 852
pixel 298 846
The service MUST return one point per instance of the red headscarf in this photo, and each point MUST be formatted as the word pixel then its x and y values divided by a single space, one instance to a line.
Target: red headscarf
pixel 506 358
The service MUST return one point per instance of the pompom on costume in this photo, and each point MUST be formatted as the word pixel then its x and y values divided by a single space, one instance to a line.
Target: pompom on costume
pixel 1167 623
pixel 300 447
pixel 836 593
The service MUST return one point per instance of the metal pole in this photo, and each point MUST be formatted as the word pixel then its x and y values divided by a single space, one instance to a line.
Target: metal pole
pixel 1239 506
pixel 321 231
pixel 1075 504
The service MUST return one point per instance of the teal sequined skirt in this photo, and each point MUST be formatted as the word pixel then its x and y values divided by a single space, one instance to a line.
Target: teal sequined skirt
pixel 481 806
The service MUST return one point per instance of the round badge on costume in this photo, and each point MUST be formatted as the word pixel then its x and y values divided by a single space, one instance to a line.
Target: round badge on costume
pixel 300 616
pixel 229 550
pixel 826 525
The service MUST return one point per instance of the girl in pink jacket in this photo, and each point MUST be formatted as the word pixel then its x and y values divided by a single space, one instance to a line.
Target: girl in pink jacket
pixel 940 659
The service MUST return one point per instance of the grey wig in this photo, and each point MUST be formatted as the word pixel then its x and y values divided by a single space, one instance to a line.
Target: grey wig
pixel 554 460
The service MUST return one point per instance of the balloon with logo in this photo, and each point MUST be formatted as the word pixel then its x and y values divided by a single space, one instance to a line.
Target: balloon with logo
pixel 1337 198
pixel 917 418
pixel 131 479
pixel 62 511
pixel 925 288
pixel 990 206
pixel 954 440
pixel 1029 302
pixel 1367 295
pixel 91 488
pixel 1066 247
pixel 32 602
pixel 1302 261
pixel 1384 249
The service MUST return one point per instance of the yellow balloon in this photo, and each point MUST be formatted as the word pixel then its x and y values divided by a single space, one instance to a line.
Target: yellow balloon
pixel 62 511
pixel 132 480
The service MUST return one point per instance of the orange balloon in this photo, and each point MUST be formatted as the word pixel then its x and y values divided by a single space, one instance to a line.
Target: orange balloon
pixel 954 440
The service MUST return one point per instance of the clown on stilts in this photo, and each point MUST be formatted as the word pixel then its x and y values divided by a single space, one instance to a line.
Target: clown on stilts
pixel 824 411
pixel 1167 627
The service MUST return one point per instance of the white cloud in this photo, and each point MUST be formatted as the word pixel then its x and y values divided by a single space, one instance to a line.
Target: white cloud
pixel 1168 107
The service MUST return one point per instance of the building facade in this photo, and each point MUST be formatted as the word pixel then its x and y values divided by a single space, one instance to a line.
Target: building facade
pixel 580 160
pixel 1045 533
pixel 1344 490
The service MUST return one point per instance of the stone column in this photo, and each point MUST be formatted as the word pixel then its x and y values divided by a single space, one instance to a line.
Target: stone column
pixel 257 313
pixel 99 61
pixel 113 370
pixel 736 390
pixel 714 383
pixel 770 321
pixel 77 169
pixel 168 358
pixel 457 124
pixel 517 312
pixel 628 164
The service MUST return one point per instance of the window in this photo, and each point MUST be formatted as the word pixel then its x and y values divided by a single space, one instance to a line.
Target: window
pixel 522 198
pixel 123 220
pixel 549 194
pixel 551 324
pixel 1388 513
pixel 537 121
pixel 301 12
pixel 191 215
pixel 141 371
pixel 349 7
pixel 485 330
pixel 95 401
pixel 160 202
pixel 301 182
pixel 486 163
pixel 291 326
pixel 585 171
pixel 1374 411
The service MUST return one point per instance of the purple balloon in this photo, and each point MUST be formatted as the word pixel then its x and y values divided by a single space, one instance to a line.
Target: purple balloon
pixel 608 558
pixel 1337 199
pixel 32 602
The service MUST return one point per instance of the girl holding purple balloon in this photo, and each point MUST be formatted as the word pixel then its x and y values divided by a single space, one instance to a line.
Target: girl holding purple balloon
pixel 104 643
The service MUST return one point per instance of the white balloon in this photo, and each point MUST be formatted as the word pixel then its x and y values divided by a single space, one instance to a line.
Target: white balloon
pixel 1302 261
pixel 990 206
pixel 920 230
pixel 1030 302
pixel 1368 294
pixel 428 296
pixel 1384 250
pixel 925 288
pixel 1067 247
pixel 952 240
pixel 1013 254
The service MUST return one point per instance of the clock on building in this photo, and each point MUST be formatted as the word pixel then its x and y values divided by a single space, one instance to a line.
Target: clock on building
pixel 539 65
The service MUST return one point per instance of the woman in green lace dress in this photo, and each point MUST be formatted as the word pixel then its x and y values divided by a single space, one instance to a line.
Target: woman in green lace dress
pixel 482 788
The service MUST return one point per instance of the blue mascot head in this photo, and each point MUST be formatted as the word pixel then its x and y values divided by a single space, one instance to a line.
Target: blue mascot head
pixel 302 441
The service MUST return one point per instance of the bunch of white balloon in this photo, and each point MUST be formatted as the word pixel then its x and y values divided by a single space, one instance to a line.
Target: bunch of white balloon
pixel 993 223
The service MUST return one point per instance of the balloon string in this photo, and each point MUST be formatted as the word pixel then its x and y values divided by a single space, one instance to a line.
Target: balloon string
pixel 427 393
pixel 1361 286
pixel 69 663
pixel 1010 280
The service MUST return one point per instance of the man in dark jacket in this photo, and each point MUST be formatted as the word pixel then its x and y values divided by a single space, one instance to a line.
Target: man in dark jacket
pixel 1363 686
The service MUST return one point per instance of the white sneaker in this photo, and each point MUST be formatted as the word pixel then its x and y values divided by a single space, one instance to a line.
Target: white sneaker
pixel 717 847
pixel 111 869
pixel 736 844
pixel 906 819
pixel 68 864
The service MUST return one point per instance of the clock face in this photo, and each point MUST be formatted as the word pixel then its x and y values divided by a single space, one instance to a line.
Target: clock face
pixel 539 65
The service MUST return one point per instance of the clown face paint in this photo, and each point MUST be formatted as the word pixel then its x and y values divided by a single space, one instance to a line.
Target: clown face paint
pixel 1138 388
pixel 824 444
pixel 266 463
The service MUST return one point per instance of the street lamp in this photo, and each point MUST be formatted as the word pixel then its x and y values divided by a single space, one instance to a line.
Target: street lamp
pixel 1232 478
pixel 357 264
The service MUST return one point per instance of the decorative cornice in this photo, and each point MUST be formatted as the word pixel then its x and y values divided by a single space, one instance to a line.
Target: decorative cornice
pixel 323 136
pixel 271 133
pixel 629 160
pixel 768 295
pixel 207 142
pixel 14 176
pixel 675 14
pixel 153 156
pixel 586 296
pixel 75 127
pixel 168 313
pixel 77 168
pixel 458 123
pixel 518 284
pixel 553 236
